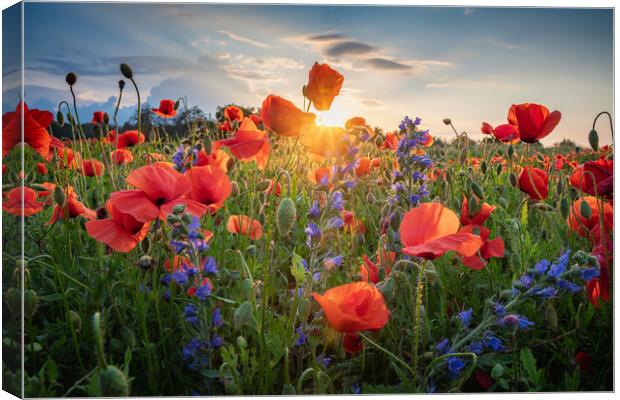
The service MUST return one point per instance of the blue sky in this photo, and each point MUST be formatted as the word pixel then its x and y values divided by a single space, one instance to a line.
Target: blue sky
pixel 469 64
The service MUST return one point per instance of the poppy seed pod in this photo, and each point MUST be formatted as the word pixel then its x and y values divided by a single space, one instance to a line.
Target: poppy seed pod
pixel 75 321
pixel 585 210
pixel 287 213
pixel 71 78
pixel 126 71
pixel 60 118
pixel 113 382
pixel 593 139
pixel 477 190
pixel 513 179
pixel 564 207
pixel 59 196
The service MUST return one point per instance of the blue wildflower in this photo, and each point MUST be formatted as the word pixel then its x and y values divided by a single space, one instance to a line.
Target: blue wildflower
pixel 559 266
pixel 190 312
pixel 301 338
pixel 443 346
pixel 455 365
pixel 492 342
pixel 337 201
pixel 178 246
pixel 541 266
pixel 216 341
pixel 180 276
pixel 356 388
pixel 588 274
pixel 568 285
pixel 526 281
pixel 313 233
pixel 465 317
pixel 315 210
pixel 499 308
pixel 547 292
pixel 203 291
pixel 475 347
pixel 210 266
pixel 335 223
pixel 216 318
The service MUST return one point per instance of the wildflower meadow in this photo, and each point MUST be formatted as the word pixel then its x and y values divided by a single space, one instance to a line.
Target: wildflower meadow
pixel 257 251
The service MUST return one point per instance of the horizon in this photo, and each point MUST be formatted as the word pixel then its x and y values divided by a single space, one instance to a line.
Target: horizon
pixel 466 64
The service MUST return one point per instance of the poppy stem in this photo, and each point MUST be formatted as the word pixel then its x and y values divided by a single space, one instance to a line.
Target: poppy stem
pixel 389 353
pixel 611 124
pixel 139 107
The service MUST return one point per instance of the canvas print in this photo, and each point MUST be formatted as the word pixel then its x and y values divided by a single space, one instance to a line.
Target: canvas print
pixel 253 199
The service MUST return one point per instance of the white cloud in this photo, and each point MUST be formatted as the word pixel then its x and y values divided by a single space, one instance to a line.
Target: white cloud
pixel 244 39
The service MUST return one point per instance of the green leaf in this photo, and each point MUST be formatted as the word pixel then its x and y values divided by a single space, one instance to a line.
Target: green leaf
pixel 529 365
pixel 297 269
pixel 497 371
pixel 524 215
pixel 243 316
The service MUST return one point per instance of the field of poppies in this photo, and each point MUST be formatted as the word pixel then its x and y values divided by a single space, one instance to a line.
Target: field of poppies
pixel 260 252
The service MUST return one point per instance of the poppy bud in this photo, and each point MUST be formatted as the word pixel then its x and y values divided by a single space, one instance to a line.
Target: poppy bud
pixel 14 301
pixel 564 207
pixel 145 244
pixel 585 210
pixel 477 190
pixel 483 167
pixel 474 206
pixel 176 105
pixel 560 187
pixel 59 196
pixel 234 189
pixel 447 121
pixel 287 213
pixel 31 303
pixel 70 118
pixel 71 78
pixel 288 390
pixel 126 71
pixel 303 91
pixel 262 186
pixel 511 151
pixel 499 169
pixel 513 179
pixel 75 320
pixel 241 342
pixel 551 316
pixel 178 209
pixel 128 337
pixel 378 141
pixel 60 118
pixel 230 164
pixel 593 139
pixel 121 84
pixel 113 382
pixel 500 152
pixel 106 118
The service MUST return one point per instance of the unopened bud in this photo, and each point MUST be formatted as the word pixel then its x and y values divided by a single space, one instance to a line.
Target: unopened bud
pixel 71 78
pixel 59 196
pixel 126 71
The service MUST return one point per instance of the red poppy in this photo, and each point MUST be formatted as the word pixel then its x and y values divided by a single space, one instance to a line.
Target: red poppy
pixel 160 188
pixel 363 166
pixel 209 186
pixel 249 144
pixel 430 230
pixel 129 139
pixel 282 117
pixel 352 224
pixel 233 113
pixel 36 135
pixel 217 158
pixel 324 83
pixel 42 168
pixel 369 271
pixel 484 380
pixel 92 168
pixel 355 122
pixel 489 248
pixel 584 361
pixel 321 177
pixel 598 288
pixel 256 119
pixel 166 109
pixel 506 133
pixel 354 307
pixel 584 226
pixel 352 343
pixel 534 182
pixel 13 204
pixel 477 219
pixel 427 140
pixel 533 121
pixel 276 192
pixel 121 156
pixel 391 141
pixel 244 225
pixel 225 126
pixel 74 207
pixel 121 231
pixel 98 117
pixel 595 177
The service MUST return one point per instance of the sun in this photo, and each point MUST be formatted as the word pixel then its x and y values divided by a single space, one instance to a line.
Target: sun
pixel 334 117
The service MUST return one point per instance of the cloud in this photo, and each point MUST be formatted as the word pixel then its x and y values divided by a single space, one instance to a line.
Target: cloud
pixel 470 84
pixel 244 39
pixel 345 48
pixel 502 44
pixel 387 65
pixel 469 11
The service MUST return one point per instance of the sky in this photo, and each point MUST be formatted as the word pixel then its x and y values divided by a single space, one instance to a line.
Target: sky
pixel 467 64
